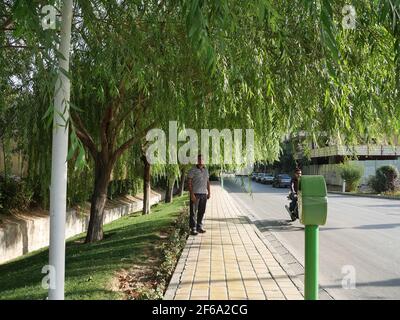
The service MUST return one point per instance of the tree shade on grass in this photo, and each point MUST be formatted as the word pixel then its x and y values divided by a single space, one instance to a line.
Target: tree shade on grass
pixel 90 268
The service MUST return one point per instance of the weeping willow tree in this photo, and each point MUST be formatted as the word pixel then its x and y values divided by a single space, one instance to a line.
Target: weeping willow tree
pixel 29 64
pixel 273 66
pixel 25 88
pixel 293 68
pixel 126 75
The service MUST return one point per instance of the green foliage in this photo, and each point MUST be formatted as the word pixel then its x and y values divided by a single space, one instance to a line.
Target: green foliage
pixel 214 173
pixel 172 249
pixel 80 182
pixel 272 66
pixel 15 194
pixel 352 174
pixel 124 187
pixel 385 179
pixel 145 293
pixel 286 163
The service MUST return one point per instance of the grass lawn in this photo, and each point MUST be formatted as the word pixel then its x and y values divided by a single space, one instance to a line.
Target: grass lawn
pixel 90 268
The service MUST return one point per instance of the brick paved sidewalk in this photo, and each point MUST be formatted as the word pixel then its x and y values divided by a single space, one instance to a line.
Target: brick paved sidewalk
pixel 231 260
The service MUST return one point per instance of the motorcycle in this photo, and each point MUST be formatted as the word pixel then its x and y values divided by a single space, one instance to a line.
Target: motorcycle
pixel 294 214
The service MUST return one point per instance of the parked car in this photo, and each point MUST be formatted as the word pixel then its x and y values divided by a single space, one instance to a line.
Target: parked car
pixel 282 181
pixel 254 175
pixel 267 178
pixel 259 176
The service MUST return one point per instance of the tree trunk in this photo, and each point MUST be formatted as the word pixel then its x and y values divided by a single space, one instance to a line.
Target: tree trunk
pixel 182 183
pixel 98 202
pixel 146 186
pixel 170 190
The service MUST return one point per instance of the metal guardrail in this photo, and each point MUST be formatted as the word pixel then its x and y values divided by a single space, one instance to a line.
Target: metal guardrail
pixel 358 150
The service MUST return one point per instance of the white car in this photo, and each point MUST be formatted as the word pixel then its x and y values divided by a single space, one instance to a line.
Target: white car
pixel 267 178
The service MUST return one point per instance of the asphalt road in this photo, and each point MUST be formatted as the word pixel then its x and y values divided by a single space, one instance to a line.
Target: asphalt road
pixel 359 246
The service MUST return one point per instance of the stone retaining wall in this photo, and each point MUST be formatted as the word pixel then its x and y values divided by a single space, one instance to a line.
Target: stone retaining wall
pixel 24 233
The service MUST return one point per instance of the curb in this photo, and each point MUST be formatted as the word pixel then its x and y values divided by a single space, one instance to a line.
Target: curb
pixel 291 274
pixel 176 277
pixel 286 266
pixel 364 195
pixel 180 267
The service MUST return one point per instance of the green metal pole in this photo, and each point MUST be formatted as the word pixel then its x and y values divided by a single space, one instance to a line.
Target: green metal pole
pixel 311 263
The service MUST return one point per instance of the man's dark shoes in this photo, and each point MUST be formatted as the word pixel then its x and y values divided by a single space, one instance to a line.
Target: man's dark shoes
pixel 201 230
pixel 193 232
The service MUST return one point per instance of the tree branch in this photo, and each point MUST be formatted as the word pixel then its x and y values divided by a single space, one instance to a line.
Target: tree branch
pixel 108 132
pixel 104 129
pixel 21 47
pixel 123 116
pixel 131 142
pixel 83 135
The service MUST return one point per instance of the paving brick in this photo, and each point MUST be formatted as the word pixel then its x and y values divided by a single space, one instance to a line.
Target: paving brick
pixel 230 260
pixel 281 297
pixel 297 296
pixel 256 297
pixel 182 297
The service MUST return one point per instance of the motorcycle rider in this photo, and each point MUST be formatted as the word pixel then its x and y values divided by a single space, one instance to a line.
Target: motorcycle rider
pixel 294 189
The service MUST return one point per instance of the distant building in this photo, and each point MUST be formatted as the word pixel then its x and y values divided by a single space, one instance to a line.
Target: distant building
pixel 326 160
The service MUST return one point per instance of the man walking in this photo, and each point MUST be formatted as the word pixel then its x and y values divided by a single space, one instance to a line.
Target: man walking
pixel 199 190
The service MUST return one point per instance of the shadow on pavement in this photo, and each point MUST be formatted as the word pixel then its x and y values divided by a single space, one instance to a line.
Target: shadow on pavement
pixel 384 205
pixel 367 227
pixel 238 220
pixel 384 283
pixel 274 225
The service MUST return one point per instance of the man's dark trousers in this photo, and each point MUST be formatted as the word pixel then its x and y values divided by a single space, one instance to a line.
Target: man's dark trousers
pixel 293 204
pixel 197 211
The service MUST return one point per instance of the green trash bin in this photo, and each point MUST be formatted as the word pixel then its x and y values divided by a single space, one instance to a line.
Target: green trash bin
pixel 313 201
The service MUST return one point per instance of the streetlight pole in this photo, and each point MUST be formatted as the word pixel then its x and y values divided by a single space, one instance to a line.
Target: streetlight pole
pixel 58 191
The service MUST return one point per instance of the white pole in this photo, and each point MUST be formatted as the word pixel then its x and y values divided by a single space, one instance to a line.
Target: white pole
pixel 221 177
pixel 344 186
pixel 58 191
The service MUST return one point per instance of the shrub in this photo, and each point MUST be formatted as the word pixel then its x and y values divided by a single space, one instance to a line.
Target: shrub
pixel 15 194
pixel 172 249
pixel 385 179
pixel 124 187
pixel 214 175
pixel 352 174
